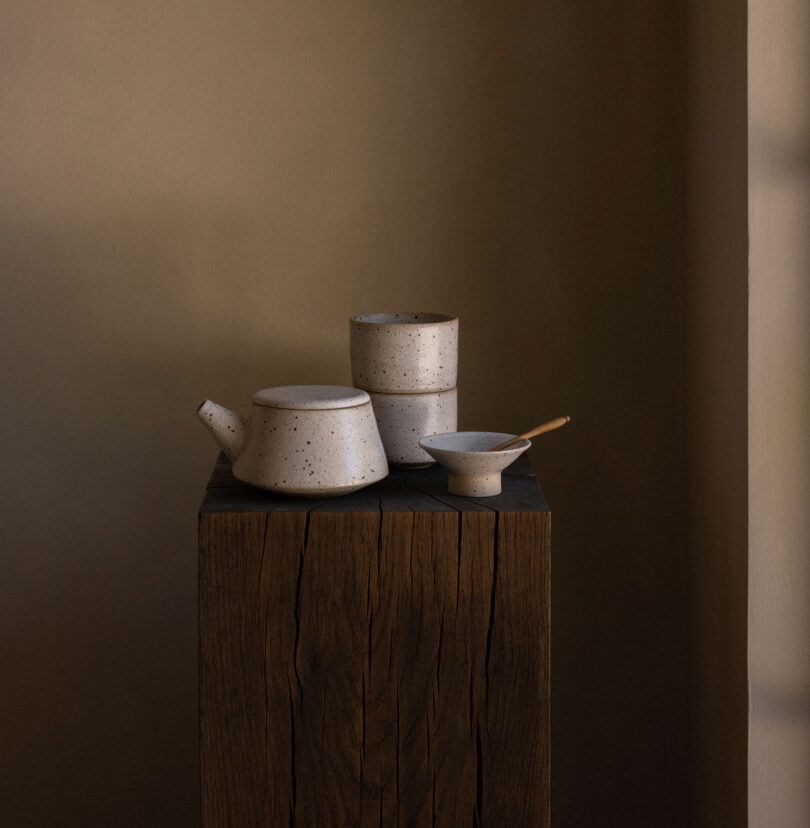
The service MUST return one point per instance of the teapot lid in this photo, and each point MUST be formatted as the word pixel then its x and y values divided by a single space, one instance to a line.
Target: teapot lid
pixel 312 397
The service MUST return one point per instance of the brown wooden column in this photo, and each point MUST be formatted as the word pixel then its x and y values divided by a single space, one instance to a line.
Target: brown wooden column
pixel 375 659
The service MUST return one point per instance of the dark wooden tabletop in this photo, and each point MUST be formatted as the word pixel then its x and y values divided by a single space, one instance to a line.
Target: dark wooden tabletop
pixel 404 490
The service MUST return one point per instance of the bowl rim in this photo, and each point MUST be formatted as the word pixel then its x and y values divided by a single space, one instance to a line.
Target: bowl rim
pixel 518 447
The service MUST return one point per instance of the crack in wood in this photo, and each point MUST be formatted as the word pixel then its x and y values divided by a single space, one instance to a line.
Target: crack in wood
pixel 397 756
pixel 439 651
pixel 479 774
pixel 293 778
pixel 458 568
pixel 472 701
pixel 297 610
pixel 379 540
pixel 260 599
pixel 430 769
pixel 363 742
pixel 447 502
pixel 410 561
pixel 491 609
pixel 324 502
pixel 430 495
pixel 370 635
pixel 381 800
pixel 427 737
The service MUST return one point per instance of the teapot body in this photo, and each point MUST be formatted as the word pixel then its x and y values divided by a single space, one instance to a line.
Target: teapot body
pixel 313 452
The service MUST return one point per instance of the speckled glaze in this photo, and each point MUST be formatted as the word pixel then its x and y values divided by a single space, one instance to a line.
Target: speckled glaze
pixel 404 352
pixel 229 429
pixel 403 419
pixel 473 470
pixel 310 440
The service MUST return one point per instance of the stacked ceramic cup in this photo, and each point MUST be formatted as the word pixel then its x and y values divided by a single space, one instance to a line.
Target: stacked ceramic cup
pixel 408 363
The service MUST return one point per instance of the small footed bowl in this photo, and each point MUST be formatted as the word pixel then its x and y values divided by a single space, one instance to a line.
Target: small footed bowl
pixel 473 470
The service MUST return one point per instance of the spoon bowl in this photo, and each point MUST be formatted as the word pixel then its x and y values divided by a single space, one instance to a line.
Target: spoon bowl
pixel 474 470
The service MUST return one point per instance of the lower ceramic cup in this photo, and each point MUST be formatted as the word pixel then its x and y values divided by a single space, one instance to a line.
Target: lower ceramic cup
pixel 403 419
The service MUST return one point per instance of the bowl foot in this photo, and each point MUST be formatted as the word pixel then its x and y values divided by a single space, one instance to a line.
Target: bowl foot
pixel 474 485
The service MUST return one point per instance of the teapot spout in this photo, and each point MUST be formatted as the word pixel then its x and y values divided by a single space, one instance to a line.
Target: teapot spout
pixel 228 428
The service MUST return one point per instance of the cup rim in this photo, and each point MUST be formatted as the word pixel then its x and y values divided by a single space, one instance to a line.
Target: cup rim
pixel 397 320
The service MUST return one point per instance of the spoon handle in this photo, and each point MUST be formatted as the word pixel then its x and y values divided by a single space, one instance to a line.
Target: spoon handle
pixel 541 429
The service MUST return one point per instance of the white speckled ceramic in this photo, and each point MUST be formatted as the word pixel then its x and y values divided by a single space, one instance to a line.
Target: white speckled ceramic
pixel 404 352
pixel 473 470
pixel 313 440
pixel 403 419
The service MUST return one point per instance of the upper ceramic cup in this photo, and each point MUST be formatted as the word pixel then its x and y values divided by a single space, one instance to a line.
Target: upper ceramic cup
pixel 404 352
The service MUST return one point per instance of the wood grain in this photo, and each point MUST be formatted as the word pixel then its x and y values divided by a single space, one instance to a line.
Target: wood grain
pixel 380 659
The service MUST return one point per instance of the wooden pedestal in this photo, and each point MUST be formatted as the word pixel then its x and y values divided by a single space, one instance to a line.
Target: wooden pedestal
pixel 379 659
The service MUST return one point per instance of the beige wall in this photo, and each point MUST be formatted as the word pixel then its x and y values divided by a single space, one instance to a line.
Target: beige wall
pixel 779 412
pixel 193 200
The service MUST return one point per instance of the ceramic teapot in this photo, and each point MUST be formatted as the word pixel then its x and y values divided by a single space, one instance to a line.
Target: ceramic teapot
pixel 310 440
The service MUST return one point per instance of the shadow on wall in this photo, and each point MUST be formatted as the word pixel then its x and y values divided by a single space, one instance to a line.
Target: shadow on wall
pixel 594 224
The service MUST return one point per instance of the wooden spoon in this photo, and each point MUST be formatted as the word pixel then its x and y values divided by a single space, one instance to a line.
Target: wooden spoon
pixel 541 429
